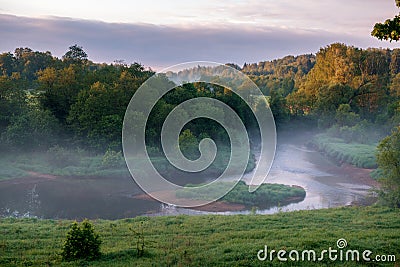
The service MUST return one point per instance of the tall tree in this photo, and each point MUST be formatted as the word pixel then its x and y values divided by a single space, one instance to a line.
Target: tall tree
pixel 60 89
pixel 75 54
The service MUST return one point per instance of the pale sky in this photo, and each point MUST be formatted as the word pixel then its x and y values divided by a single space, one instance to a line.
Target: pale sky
pixel 160 33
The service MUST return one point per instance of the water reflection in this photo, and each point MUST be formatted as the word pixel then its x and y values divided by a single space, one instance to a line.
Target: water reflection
pixel 326 184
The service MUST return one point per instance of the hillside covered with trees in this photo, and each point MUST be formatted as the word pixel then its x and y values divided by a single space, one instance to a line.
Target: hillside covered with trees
pixel 72 102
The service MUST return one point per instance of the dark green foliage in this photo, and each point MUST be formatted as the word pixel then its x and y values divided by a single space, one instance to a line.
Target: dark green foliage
pixel 345 117
pixel 189 145
pixel 96 115
pixel 80 103
pixel 389 30
pixel 59 88
pixel 278 107
pixel 388 158
pixel 90 99
pixel 82 242
pixel 12 99
pixel 35 129
pixel 75 54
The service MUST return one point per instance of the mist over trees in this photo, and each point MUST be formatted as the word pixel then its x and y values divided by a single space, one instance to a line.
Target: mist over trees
pixel 83 103
pixel 72 102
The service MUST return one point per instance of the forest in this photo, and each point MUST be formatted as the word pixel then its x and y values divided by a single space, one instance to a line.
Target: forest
pixel 58 105
pixel 75 101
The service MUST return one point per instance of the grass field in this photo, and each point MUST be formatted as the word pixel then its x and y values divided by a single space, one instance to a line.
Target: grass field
pixel 210 240
pixel 360 155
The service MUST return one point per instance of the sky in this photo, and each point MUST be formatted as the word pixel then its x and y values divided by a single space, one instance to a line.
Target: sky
pixel 161 33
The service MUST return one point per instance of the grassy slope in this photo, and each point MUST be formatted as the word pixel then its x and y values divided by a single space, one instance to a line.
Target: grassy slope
pixel 207 240
pixel 360 155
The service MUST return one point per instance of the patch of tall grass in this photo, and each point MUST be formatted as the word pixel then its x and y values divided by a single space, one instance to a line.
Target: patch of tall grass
pixel 360 155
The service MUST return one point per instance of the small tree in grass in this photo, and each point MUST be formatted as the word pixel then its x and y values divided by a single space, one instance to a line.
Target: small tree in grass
pixel 139 235
pixel 82 242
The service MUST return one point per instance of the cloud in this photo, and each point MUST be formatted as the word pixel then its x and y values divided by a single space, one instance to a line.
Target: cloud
pixel 159 46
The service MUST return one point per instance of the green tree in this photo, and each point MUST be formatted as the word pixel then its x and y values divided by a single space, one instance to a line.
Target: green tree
pixel 345 117
pixel 388 158
pixel 34 129
pixel 12 99
pixel 28 62
pixel 188 144
pixel 278 107
pixel 7 62
pixel 60 89
pixel 97 116
pixel 82 242
pixel 388 30
pixel 75 54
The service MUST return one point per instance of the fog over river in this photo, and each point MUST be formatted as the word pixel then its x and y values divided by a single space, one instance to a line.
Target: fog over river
pixel 326 184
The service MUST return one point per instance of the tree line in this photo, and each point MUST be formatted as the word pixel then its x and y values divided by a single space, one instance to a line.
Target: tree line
pixel 45 100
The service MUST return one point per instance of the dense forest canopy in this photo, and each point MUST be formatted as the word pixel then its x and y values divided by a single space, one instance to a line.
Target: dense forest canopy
pixel 45 100
pixel 48 104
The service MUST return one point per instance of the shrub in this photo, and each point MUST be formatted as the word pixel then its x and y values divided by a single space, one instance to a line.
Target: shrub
pixel 112 159
pixel 82 242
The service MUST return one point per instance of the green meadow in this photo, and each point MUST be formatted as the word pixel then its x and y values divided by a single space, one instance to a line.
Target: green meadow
pixel 210 240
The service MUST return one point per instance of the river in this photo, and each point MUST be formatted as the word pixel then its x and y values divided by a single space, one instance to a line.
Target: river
pixel 326 184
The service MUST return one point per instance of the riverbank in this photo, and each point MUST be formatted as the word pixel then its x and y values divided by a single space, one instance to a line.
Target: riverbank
pixel 359 155
pixel 209 240
pixel 116 196
pixel 356 160
pixel 80 163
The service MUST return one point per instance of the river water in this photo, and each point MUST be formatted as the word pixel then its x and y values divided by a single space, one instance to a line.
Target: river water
pixel 326 185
